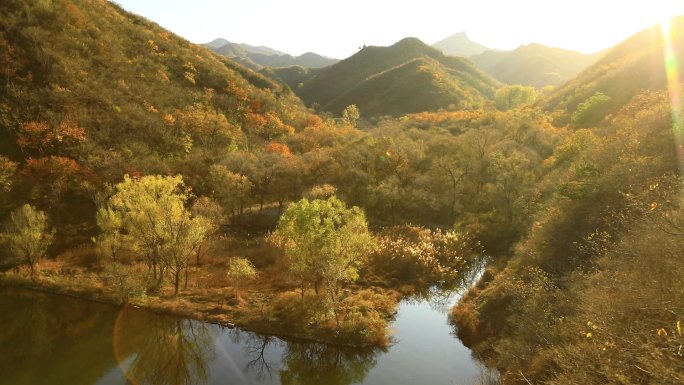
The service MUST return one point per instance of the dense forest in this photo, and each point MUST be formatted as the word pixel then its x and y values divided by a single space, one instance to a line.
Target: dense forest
pixel 138 167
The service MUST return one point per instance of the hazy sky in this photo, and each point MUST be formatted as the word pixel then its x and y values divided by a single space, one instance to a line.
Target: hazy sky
pixel 338 28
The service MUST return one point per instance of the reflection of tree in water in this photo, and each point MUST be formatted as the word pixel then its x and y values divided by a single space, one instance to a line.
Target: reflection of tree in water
pixel 56 334
pixel 440 297
pixel 315 363
pixel 166 350
pixel 256 349
pixel 26 329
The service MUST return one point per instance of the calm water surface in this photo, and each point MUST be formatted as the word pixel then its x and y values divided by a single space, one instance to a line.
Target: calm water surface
pixel 46 339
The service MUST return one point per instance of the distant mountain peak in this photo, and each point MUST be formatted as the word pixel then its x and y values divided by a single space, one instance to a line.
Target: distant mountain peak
pixel 459 44
pixel 217 43
pixel 257 56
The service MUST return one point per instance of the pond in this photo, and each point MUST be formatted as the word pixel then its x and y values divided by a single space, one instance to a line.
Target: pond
pixel 47 339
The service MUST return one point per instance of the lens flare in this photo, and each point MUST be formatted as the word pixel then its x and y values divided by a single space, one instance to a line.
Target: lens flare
pixel 675 90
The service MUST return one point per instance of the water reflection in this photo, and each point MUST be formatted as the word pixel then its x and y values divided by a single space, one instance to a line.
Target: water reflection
pixel 47 340
pixel 43 341
pixel 154 349
pixel 314 363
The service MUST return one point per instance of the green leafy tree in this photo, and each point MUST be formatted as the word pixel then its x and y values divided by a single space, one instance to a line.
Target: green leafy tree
pixel 230 189
pixel 351 115
pixel 153 213
pixel 239 271
pixel 213 213
pixel 7 171
pixel 28 236
pixel 591 110
pixel 325 241
pixel 111 241
pixel 514 96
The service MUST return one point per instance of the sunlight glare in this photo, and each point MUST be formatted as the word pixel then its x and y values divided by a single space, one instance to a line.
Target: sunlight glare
pixel 675 90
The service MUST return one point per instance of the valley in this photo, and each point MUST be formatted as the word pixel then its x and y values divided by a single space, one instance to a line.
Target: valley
pixel 319 215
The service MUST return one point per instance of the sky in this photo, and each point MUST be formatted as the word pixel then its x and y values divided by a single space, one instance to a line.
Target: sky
pixel 338 29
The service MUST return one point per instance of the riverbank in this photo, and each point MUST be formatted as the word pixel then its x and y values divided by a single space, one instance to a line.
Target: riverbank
pixel 265 309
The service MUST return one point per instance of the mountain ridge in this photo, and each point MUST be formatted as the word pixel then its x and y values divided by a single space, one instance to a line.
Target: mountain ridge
pixel 459 44
pixel 534 64
pixel 261 56
pixel 457 76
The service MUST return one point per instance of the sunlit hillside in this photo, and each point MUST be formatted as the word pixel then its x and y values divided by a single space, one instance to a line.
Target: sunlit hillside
pixel 534 65
pixel 91 92
pixel 593 293
pixel 636 64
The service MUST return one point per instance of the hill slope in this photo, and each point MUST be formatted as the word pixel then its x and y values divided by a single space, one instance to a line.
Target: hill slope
pixel 600 268
pixel 533 65
pixel 637 63
pixel 376 77
pixel 460 45
pixel 91 92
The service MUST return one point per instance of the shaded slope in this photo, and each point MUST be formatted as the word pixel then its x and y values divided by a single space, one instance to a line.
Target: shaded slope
pixel 340 84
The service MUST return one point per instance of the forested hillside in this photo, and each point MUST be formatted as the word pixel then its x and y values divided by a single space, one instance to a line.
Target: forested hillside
pixel 91 92
pixel 406 77
pixel 636 64
pixel 592 294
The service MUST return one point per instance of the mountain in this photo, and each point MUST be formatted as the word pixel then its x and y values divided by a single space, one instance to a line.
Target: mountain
pixel 91 92
pixel 308 60
pixel 459 44
pixel 534 65
pixel 257 57
pixel 406 77
pixel 636 64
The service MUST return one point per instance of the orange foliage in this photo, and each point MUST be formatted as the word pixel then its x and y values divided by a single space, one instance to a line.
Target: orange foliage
pixel 314 121
pixel 41 137
pixel 52 176
pixel 255 121
pixel 255 105
pixel 443 116
pixel 278 148
pixel 41 168
pixel 240 93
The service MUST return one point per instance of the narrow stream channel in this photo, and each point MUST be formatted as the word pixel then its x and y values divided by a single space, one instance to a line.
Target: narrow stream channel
pixel 46 339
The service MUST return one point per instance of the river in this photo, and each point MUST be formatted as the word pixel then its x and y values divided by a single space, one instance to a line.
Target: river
pixel 47 339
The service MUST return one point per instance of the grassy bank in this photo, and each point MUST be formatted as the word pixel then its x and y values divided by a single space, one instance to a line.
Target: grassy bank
pixel 269 304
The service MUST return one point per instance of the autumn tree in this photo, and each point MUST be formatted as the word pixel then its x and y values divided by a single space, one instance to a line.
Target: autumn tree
pixel 152 209
pixel 213 213
pixel 239 271
pixel 508 97
pixel 7 171
pixel 230 189
pixel 207 126
pixel 111 240
pixel 43 138
pixel 28 236
pixel 324 241
pixel 351 115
